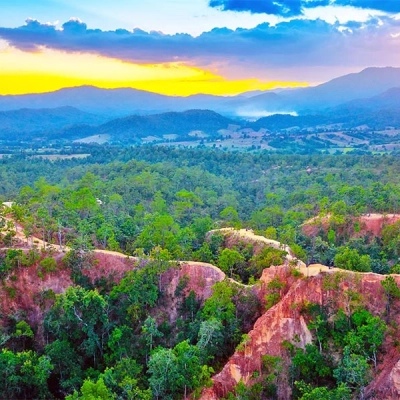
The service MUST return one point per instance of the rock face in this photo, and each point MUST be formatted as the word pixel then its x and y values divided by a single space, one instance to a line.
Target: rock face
pixel 285 321
pixel 395 380
pixel 371 224
pixel 374 223
pixel 197 277
pixel 26 290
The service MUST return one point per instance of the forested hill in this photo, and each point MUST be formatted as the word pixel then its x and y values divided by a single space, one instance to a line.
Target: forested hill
pixel 70 123
pixel 135 127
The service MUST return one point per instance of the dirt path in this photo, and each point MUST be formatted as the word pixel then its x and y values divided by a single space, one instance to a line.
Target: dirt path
pixel 249 234
pixel 311 270
pixel 41 244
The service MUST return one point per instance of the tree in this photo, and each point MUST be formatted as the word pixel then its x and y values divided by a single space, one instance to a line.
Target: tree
pixel 162 368
pixel 135 294
pixel 24 375
pixel 210 338
pixel 91 390
pixel 80 316
pixel 120 343
pixel 68 365
pixel 342 392
pixel 310 365
pixel 188 367
pixel 349 259
pixel 231 217
pixel 150 333
pixel 229 260
pixel 392 292
pixel 124 379
pixel 23 333
pixel 221 307
pixel 368 335
pixel 159 230
pixel 274 289
pixel 353 371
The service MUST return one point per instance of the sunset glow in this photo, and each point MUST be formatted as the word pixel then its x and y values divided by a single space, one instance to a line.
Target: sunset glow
pixel 49 70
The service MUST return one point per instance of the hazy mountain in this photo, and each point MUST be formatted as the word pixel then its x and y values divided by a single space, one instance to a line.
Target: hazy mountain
pixel 28 120
pixel 367 83
pixel 180 123
pixel 123 102
pixel 389 100
pixel 90 99
pixel 111 102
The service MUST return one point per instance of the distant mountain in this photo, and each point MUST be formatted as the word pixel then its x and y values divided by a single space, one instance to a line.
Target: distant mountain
pixel 180 123
pixel 27 120
pixel 115 103
pixel 389 100
pixel 89 99
pixel 112 102
pixel 367 83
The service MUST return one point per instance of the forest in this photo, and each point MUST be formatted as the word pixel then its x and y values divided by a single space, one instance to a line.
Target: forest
pixel 110 338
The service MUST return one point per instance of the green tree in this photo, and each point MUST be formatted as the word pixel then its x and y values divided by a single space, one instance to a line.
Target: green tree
pixel 150 333
pixel 391 291
pixel 68 365
pixel 24 375
pixel 350 259
pixel 163 371
pixel 353 371
pixel 80 316
pixel 210 338
pixel 342 392
pixel 230 260
pixel 93 391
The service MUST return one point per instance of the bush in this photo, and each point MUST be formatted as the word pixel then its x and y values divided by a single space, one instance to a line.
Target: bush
pixel 46 266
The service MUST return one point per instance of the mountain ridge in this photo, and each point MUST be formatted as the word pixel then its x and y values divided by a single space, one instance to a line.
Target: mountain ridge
pixel 125 101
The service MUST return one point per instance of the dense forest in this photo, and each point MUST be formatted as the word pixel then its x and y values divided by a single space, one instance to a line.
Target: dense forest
pixel 105 339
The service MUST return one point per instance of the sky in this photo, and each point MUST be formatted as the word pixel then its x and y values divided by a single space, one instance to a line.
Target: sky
pixel 184 47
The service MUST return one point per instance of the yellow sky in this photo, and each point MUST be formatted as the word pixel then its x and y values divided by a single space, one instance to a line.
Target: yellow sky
pixel 48 70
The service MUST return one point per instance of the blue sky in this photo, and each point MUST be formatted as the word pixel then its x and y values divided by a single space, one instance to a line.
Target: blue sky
pixel 260 40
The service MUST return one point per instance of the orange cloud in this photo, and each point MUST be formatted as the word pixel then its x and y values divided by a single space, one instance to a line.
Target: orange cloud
pixel 48 70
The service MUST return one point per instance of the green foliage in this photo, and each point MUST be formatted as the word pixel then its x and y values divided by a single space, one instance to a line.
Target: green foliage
pixel 80 316
pixel 273 295
pixel 392 292
pixel 68 365
pixel 101 345
pixel 210 338
pixel 125 380
pixel 93 391
pixel 310 365
pixel 175 372
pixel 349 259
pixel 230 261
pixel 136 293
pixel 47 265
pixel 24 375
pixel 353 371
pixel 342 392
pixel 268 256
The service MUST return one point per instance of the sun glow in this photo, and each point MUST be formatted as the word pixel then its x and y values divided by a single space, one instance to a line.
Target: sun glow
pixel 47 70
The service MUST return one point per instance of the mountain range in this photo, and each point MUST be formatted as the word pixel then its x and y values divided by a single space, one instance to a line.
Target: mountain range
pixel 370 97
pixel 123 102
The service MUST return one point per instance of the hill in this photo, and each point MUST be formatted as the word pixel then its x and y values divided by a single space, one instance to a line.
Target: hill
pixel 183 123
pixel 26 120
